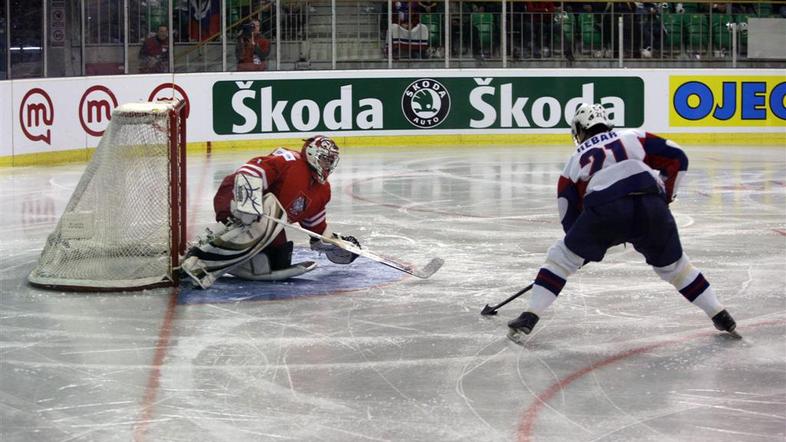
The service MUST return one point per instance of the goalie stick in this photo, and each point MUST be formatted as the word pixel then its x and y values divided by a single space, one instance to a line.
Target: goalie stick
pixel 421 272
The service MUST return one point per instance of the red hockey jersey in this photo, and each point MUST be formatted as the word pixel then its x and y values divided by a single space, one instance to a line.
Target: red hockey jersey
pixel 288 176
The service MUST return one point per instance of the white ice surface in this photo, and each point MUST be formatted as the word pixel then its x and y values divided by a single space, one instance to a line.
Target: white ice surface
pixel 619 356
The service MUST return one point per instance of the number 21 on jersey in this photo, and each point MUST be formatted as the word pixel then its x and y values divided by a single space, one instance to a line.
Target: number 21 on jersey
pixel 597 155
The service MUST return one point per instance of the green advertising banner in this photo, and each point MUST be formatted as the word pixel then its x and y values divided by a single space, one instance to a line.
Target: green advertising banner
pixel 458 103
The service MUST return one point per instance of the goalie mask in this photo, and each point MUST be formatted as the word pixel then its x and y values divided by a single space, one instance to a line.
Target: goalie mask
pixel 588 116
pixel 322 155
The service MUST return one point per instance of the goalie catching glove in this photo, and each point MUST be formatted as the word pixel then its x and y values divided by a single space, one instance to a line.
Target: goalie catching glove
pixel 333 252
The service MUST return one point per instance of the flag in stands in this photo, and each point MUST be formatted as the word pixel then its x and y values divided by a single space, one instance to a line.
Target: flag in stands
pixel 205 19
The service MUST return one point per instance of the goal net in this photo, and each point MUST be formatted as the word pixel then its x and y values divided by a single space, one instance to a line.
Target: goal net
pixel 124 226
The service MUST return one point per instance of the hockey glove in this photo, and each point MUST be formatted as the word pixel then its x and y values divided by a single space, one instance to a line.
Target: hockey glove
pixel 333 252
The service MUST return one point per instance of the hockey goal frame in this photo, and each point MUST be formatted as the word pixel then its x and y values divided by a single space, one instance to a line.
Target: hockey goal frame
pixel 177 186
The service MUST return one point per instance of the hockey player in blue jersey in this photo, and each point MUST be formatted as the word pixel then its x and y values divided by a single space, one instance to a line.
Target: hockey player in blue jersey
pixel 615 189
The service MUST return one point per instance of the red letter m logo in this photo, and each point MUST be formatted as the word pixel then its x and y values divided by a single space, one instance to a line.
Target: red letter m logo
pixel 100 109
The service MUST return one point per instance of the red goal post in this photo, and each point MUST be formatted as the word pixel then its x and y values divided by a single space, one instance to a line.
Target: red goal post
pixel 124 227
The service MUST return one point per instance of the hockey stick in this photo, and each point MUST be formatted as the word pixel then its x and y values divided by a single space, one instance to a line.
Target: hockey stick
pixel 422 272
pixel 491 311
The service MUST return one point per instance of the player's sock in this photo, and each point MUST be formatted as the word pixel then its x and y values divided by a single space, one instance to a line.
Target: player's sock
pixel 540 299
pixel 708 302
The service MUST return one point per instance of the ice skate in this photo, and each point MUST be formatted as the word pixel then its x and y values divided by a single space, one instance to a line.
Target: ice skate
pixel 724 322
pixel 522 326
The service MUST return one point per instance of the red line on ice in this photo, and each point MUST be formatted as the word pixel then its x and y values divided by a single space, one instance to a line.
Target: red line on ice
pixel 164 334
pixel 154 379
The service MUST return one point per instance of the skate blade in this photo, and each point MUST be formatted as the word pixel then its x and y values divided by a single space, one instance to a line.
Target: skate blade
pixel 517 336
pixel 735 335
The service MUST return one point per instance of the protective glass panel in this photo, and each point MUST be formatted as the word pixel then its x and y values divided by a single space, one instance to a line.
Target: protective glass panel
pixel 26 43
pixel 198 44
pixel 64 38
pixel 3 43
pixel 104 37
pixel 251 30
pixel 149 43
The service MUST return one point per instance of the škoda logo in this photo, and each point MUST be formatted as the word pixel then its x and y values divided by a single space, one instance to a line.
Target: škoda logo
pixel 36 115
pixel 425 103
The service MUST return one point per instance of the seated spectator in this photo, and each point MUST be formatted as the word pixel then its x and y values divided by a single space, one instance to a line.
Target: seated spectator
pixel 154 54
pixel 408 36
pixel 252 49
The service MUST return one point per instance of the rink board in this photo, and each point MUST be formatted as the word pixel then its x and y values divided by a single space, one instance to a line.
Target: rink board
pixel 60 120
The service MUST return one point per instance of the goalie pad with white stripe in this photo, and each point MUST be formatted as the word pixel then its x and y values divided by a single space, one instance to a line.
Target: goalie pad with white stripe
pixel 221 250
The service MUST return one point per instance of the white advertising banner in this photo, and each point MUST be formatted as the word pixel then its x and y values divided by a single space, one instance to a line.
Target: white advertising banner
pixel 51 115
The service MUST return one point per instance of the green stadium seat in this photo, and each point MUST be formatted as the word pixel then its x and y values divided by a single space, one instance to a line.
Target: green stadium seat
pixel 590 35
pixel 483 22
pixel 434 24
pixel 674 25
pixel 568 24
pixel 698 31
pixel 721 37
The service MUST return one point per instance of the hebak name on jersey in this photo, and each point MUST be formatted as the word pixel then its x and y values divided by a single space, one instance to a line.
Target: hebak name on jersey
pixel 259 112
pixel 499 106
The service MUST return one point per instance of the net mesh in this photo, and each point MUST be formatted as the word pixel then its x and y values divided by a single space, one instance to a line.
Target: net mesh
pixel 115 230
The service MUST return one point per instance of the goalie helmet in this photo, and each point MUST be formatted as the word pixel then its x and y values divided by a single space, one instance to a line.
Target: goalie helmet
pixel 322 155
pixel 588 116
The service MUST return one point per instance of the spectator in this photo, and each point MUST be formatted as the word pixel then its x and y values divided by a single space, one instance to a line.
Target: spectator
pixel 154 54
pixel 252 49
pixel 408 36
pixel 598 37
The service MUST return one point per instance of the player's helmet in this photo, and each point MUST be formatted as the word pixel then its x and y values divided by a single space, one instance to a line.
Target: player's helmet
pixel 322 155
pixel 588 116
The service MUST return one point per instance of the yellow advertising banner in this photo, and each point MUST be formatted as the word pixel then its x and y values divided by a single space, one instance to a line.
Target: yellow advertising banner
pixel 727 101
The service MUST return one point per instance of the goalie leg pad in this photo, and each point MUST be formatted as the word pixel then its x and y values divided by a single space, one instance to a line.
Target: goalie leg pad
pixel 265 262
pixel 277 275
pixel 254 267
pixel 217 254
